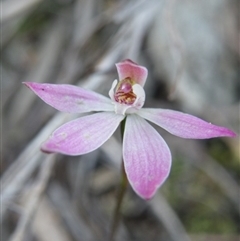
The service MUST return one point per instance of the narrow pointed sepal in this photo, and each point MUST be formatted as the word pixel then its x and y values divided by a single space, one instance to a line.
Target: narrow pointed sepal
pixel 184 125
pixel 70 98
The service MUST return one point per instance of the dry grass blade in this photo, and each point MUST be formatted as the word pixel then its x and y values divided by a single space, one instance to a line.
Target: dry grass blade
pixel 168 218
pixel 10 189
pixel 76 225
pixel 48 56
pixel 32 203
pixel 14 8
pixel 135 35
pixel 176 46
pixel 47 226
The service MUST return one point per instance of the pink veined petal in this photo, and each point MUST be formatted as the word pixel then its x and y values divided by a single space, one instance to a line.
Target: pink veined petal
pixel 83 135
pixel 128 68
pixel 184 125
pixel 70 98
pixel 147 158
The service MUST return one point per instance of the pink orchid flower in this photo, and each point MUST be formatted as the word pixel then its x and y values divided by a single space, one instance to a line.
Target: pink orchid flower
pixel 146 156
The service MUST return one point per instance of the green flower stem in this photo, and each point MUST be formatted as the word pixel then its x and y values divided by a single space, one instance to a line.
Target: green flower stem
pixel 122 191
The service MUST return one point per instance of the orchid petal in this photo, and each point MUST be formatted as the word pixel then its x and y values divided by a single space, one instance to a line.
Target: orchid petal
pixel 70 98
pixel 112 90
pixel 83 135
pixel 147 158
pixel 129 69
pixel 140 93
pixel 184 125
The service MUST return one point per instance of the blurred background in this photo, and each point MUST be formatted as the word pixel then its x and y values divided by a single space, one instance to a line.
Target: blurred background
pixel 191 49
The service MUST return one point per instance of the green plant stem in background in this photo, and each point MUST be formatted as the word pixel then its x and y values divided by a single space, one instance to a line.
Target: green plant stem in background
pixel 122 191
